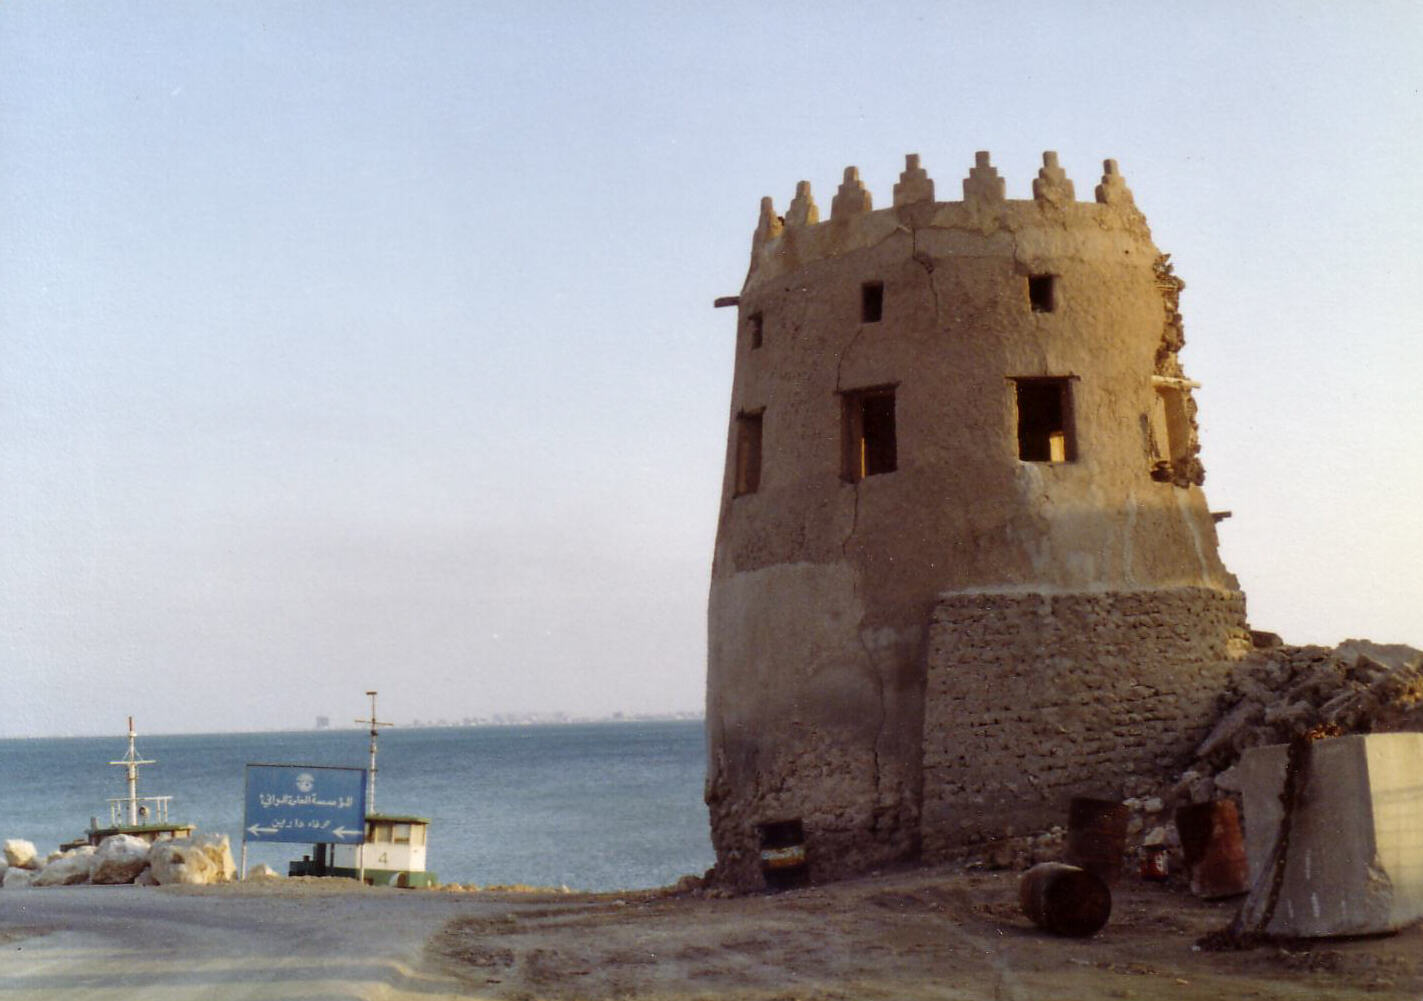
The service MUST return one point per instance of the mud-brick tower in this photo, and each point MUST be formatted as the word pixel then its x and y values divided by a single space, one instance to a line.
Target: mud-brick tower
pixel 964 568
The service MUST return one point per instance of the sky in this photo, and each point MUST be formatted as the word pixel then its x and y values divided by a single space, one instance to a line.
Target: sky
pixel 351 346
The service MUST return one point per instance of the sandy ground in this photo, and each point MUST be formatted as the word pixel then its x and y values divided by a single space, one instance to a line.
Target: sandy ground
pixel 941 933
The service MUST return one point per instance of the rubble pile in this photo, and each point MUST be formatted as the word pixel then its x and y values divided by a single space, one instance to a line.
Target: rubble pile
pixel 1277 693
pixel 1280 692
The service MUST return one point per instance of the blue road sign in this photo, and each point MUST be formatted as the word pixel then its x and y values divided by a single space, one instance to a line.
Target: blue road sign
pixel 306 803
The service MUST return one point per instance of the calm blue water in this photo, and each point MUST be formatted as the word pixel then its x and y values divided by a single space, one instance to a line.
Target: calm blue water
pixel 595 806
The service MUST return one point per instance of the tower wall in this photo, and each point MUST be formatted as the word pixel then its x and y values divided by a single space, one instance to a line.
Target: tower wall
pixel 1033 698
pixel 835 658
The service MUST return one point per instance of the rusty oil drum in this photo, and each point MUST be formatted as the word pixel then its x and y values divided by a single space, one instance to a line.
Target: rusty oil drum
pixel 1097 836
pixel 1065 899
pixel 1213 849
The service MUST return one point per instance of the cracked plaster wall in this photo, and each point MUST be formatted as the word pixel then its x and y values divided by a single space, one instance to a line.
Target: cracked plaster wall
pixel 823 589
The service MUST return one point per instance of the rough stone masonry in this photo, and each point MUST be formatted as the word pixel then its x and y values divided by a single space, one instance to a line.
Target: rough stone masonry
pixel 964 567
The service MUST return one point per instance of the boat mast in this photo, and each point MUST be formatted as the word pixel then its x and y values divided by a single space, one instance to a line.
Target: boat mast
pixel 130 763
pixel 371 776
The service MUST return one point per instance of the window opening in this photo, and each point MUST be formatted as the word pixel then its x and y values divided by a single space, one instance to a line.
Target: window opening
pixel 870 446
pixel 755 325
pixel 1045 420
pixel 748 453
pixel 871 302
pixel 1171 432
pixel 1042 293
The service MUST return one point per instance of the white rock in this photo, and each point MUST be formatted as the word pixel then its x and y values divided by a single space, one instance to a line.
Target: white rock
pixel 17 879
pixel 1195 787
pixel 70 868
pixel 1154 837
pixel 120 858
pixel 1229 780
pixel 1153 805
pixel 145 878
pixel 218 849
pixel 19 854
pixel 181 862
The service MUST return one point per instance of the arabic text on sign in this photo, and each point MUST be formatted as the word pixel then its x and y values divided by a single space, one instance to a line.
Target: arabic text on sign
pixel 269 800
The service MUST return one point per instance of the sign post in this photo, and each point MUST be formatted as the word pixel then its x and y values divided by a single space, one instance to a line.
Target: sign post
pixel 310 804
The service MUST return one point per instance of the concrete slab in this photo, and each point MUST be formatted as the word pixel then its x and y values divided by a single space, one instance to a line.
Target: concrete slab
pixel 1355 864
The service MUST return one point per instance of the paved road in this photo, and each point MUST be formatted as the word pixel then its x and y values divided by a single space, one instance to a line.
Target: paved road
pixel 118 943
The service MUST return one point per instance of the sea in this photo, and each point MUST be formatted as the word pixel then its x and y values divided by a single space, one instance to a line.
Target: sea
pixel 590 806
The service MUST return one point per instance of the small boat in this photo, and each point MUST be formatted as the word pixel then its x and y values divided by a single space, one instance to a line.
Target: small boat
pixel 144 817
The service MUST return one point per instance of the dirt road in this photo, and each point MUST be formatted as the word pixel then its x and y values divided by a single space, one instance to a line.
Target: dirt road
pixel 937 933
pixel 933 933
pixel 125 942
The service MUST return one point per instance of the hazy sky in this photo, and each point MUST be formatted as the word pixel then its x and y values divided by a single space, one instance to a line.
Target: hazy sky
pixel 370 345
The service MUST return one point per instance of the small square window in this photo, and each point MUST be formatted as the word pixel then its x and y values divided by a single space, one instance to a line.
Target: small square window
pixel 869 434
pixel 1042 293
pixel 871 302
pixel 748 453
pixel 1045 420
pixel 755 328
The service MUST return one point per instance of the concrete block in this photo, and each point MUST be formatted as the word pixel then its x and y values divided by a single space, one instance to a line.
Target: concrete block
pixel 1355 861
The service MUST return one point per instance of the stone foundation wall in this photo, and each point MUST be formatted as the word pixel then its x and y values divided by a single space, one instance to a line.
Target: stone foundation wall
pixel 854 815
pixel 1033 698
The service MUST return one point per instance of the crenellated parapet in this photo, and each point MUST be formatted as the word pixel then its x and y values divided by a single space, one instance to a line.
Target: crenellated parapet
pixel 983 186
pixel 1113 190
pixel 914 185
pixel 852 199
pixel 803 211
pixel 768 227
pixel 799 237
pixel 1052 185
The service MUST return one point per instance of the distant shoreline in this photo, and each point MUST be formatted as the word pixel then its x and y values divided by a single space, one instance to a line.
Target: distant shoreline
pixel 496 721
pixel 548 719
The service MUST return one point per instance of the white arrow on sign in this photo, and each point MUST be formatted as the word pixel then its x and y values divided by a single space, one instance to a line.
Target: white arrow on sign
pixel 342 832
pixel 254 830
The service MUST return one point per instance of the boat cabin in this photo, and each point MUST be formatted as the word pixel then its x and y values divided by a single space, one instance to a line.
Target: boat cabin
pixel 393 854
pixel 150 814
